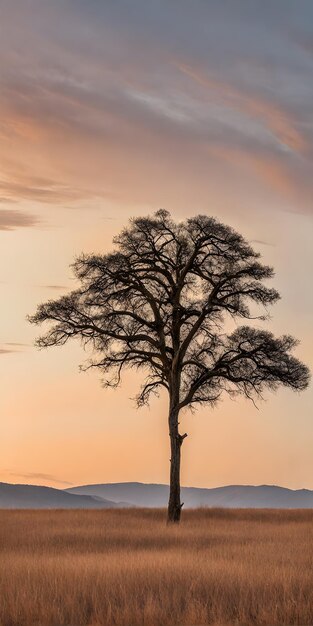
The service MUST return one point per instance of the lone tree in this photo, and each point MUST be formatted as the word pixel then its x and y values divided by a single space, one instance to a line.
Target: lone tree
pixel 161 302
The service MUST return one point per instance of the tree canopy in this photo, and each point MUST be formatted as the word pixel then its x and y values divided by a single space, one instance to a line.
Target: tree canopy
pixel 161 299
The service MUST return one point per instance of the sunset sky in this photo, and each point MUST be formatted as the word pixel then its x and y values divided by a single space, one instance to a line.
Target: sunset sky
pixel 111 109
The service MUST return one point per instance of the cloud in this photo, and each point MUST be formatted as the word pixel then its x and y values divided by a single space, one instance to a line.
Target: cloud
pixel 86 118
pixel 12 347
pixel 16 344
pixel 10 219
pixel 35 189
pixel 263 243
pixel 37 475
pixel 57 287
pixel 275 118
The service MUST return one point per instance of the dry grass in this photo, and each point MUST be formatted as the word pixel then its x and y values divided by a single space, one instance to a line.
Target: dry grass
pixel 127 567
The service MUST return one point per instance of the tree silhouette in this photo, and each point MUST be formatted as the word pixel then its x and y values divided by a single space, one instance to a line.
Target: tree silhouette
pixel 162 302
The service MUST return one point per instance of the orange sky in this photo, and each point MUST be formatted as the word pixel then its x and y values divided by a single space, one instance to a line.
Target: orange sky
pixel 113 110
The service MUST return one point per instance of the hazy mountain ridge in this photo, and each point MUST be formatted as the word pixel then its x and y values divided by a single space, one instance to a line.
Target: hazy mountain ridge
pixel 19 496
pixel 118 495
pixel 232 496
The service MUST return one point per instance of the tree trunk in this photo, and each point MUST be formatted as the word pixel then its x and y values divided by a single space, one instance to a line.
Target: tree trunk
pixel 174 504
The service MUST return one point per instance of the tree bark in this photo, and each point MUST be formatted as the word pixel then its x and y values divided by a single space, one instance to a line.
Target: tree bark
pixel 174 504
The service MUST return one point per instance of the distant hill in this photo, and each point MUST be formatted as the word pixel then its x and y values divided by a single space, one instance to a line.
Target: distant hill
pixel 118 495
pixel 233 496
pixel 36 497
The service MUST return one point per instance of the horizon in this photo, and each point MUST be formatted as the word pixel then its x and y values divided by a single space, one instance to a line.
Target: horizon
pixel 109 112
pixel 132 482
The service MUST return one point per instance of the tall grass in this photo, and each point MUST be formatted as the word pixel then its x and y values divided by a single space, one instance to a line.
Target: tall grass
pixel 127 567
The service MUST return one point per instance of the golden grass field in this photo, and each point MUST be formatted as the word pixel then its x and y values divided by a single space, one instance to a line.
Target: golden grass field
pixel 127 567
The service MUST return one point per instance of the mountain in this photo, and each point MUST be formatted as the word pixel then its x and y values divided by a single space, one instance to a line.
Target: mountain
pixel 36 497
pixel 117 495
pixel 233 496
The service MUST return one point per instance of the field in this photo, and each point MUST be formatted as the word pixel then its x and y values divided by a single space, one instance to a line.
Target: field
pixel 127 567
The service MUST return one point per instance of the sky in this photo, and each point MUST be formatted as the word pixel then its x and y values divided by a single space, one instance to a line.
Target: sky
pixel 110 110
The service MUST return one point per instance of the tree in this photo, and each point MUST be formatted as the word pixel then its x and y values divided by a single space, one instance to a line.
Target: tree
pixel 162 303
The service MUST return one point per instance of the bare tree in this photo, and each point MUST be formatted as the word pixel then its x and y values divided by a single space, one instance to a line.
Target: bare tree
pixel 160 303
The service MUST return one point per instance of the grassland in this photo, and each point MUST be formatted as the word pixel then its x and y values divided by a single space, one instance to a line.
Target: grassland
pixel 127 567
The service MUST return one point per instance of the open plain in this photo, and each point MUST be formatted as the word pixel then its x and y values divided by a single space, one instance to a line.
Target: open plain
pixel 128 567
